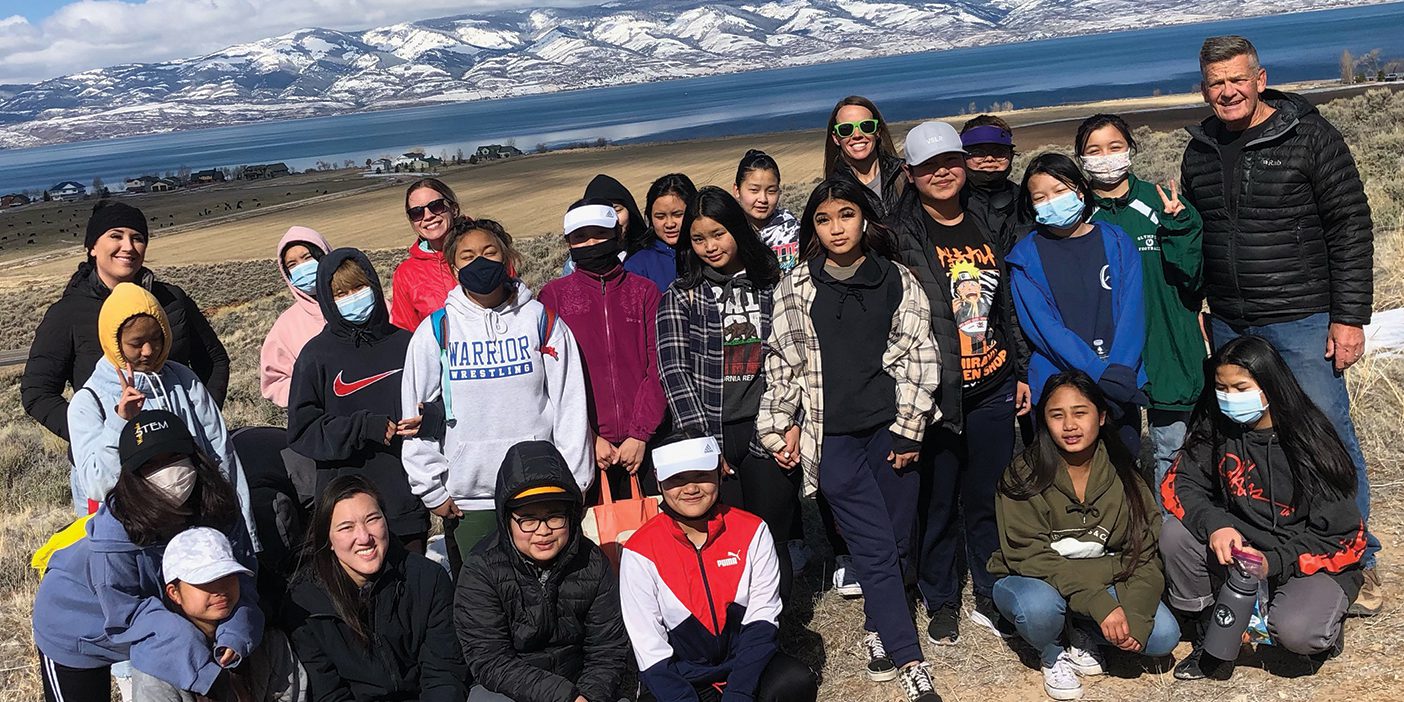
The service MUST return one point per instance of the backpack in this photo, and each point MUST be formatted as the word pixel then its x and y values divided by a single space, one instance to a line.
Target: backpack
pixel 438 321
pixel 65 537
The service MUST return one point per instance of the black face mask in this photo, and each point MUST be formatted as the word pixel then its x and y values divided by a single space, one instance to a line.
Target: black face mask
pixel 597 258
pixel 482 275
pixel 985 179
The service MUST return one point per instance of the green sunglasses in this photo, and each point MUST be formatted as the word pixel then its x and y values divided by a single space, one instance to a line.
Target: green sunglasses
pixel 846 129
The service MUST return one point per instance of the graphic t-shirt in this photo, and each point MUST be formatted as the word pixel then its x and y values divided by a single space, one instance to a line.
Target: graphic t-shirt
pixel 970 264
pixel 742 346
pixel 1078 275
pixel 781 234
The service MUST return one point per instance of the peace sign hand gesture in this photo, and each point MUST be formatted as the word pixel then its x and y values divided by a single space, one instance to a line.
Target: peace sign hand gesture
pixel 1170 204
pixel 132 399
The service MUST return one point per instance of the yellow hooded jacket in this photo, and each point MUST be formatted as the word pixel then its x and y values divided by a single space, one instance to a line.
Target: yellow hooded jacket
pixel 126 301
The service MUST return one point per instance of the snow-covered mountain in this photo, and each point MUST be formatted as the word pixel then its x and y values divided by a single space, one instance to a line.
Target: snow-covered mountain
pixel 321 71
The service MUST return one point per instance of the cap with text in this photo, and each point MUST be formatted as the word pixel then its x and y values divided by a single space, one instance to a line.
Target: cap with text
pixel 929 140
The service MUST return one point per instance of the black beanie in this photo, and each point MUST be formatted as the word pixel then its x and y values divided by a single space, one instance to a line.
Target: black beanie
pixel 110 214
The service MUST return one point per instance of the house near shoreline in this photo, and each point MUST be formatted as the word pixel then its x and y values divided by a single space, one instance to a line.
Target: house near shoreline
pixel 13 200
pixel 163 185
pixel 265 170
pixel 494 152
pixel 67 190
pixel 141 184
pixel 207 177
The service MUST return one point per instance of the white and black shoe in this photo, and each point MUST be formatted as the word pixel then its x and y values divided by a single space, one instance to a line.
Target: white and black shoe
pixel 1084 653
pixel 1060 680
pixel 880 665
pixel 845 580
pixel 917 684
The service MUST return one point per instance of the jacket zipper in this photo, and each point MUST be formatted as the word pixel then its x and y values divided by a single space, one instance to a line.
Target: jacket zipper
pixel 609 344
pixel 707 587
pixel 381 647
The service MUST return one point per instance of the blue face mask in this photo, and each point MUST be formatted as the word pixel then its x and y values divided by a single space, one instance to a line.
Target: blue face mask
pixel 304 277
pixel 1242 407
pixel 1062 212
pixel 356 308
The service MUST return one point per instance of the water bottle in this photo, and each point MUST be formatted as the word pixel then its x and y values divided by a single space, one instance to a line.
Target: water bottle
pixel 1232 611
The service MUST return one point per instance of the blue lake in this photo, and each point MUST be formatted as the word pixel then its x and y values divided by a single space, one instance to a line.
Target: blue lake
pixel 1123 64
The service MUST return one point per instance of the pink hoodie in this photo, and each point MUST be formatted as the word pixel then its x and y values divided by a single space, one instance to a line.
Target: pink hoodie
pixel 294 328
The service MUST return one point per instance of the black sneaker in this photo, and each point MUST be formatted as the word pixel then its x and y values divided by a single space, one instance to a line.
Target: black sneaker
pixel 917 684
pixel 944 629
pixel 987 615
pixel 880 665
pixel 1199 665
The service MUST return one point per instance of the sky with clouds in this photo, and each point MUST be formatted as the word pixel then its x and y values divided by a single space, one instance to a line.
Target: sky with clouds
pixel 42 39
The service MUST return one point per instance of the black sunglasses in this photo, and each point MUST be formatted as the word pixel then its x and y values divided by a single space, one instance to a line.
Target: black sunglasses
pixel 436 207
pixel 866 126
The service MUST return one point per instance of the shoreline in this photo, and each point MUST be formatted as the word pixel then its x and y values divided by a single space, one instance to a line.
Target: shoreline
pixel 369 216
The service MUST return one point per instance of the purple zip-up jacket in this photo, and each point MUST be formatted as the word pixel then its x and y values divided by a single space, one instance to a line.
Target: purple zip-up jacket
pixel 612 318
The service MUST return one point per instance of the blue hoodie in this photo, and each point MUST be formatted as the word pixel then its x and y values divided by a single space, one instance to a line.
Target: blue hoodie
pixel 658 263
pixel 1054 347
pixel 100 603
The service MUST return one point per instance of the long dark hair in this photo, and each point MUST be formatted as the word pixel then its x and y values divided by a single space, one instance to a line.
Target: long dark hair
pixel 832 150
pixel 1316 458
pixel 876 237
pixel 672 184
pixel 319 562
pixel 756 160
pixel 149 517
pixel 762 268
pixel 1097 121
pixel 1034 470
pixel 1064 169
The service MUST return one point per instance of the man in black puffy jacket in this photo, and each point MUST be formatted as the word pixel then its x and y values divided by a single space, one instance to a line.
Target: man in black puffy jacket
pixel 1288 240
pixel 537 607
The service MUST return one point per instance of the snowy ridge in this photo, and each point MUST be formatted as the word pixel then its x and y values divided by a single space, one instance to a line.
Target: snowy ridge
pixel 315 71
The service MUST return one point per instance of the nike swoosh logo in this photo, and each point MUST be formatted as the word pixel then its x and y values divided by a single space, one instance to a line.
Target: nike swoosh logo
pixel 343 389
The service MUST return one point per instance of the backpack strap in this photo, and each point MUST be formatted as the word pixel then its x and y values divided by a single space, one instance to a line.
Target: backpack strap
pixel 438 321
pixel 102 411
pixel 545 326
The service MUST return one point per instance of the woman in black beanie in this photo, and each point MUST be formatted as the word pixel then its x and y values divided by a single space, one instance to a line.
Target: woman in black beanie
pixel 66 348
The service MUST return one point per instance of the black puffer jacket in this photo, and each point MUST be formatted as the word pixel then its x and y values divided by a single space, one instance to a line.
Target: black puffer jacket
pixel 66 348
pixel 894 183
pixel 412 653
pixel 996 210
pixel 1300 241
pixel 533 634
pixel 917 252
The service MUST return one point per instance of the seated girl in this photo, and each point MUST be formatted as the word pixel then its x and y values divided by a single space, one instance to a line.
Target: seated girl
pixel 1077 549
pixel 1287 497
pixel 100 601
pixel 537 610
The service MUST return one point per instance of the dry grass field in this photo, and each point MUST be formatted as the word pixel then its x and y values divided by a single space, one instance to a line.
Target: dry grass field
pixel 244 298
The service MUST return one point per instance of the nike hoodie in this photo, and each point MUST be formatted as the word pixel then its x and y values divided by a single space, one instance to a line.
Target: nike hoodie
pixel 345 392
pixel 505 385
pixel 295 326
pixel 94 425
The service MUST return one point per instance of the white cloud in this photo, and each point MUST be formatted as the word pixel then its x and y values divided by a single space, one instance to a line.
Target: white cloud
pixel 91 34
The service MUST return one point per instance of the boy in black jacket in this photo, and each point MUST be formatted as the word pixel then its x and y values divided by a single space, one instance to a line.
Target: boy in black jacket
pixel 344 405
pixel 537 607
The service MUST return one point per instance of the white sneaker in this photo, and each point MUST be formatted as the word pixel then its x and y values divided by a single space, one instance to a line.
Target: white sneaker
pixel 1060 680
pixel 845 580
pixel 1084 653
pixel 880 665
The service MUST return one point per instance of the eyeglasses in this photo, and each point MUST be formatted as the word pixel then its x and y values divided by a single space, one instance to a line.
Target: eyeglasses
pixel 529 525
pixel 993 152
pixel 866 126
pixel 436 207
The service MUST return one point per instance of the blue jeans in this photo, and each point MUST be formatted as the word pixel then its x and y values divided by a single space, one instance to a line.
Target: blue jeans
pixel 1166 429
pixel 1040 614
pixel 1302 344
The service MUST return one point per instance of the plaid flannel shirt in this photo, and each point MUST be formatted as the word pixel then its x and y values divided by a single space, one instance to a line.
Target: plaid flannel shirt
pixel 690 358
pixel 794 373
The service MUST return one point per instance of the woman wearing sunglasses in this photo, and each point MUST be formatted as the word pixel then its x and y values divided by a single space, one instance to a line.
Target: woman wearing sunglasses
pixel 424 280
pixel 857 145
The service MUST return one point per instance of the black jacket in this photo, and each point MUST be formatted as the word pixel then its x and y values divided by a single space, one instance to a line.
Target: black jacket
pixel 66 348
pixel 539 635
pixel 412 652
pixel 1300 240
pixel 894 183
pixel 996 210
pixel 345 389
pixel 916 251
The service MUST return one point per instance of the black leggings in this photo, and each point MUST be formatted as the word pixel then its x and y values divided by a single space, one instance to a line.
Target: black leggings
pixel 65 684
pixel 785 679
pixel 764 489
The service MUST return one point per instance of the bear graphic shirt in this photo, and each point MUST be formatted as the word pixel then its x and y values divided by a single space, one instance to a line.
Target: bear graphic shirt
pixel 972 268
pixel 742 347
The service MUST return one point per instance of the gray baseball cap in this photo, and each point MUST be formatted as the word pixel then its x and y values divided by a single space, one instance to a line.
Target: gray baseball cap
pixel 200 555
pixel 930 139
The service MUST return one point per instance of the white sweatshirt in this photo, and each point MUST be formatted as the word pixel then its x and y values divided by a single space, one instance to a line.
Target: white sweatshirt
pixel 503 390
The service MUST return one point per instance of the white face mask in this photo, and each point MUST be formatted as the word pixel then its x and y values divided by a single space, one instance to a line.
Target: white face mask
pixel 176 480
pixel 1109 168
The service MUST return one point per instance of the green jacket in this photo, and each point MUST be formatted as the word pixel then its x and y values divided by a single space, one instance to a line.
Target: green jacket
pixel 1079 547
pixel 1172 274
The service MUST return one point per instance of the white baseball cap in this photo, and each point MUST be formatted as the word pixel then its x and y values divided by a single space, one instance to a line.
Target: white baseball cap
pixel 930 139
pixel 590 216
pixel 683 456
pixel 200 555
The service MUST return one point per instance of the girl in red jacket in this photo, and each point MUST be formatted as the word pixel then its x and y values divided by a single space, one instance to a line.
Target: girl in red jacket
pixel 423 281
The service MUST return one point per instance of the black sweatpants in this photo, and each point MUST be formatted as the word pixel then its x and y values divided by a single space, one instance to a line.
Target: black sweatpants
pixel 785 679
pixel 65 684
pixel 760 486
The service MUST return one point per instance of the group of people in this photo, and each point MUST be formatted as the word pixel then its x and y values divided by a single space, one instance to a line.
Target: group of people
pixel 959 367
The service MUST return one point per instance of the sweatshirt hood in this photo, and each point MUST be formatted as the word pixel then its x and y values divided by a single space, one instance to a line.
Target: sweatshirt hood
pixel 126 301
pixel 311 239
pixel 107 534
pixel 378 326
pixel 1100 479
pixel 493 321
pixel 603 186
pixel 535 465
